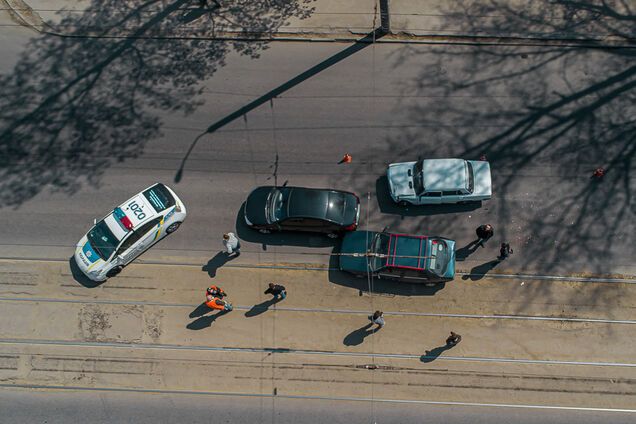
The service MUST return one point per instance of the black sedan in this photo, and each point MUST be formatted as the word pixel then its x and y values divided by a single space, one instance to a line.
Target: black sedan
pixel 326 211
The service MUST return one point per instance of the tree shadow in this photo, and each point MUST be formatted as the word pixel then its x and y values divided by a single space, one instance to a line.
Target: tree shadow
pixel 478 272
pixel 261 307
pixel 80 277
pixel 88 91
pixel 433 354
pixel 216 262
pixel 205 321
pixel 356 337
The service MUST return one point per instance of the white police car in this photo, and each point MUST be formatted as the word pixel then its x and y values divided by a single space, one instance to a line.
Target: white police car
pixel 128 231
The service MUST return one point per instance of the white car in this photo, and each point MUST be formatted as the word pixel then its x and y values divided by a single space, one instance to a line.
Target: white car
pixel 436 181
pixel 128 231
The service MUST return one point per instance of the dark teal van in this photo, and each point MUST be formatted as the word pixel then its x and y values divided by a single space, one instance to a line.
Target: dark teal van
pixel 402 257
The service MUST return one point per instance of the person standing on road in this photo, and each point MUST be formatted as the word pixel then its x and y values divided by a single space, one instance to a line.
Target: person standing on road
pixel 232 244
pixel 453 339
pixel 276 290
pixel 378 319
pixel 484 232
pixel 505 251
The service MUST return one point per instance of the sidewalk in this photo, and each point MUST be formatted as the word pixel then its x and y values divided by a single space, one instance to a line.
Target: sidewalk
pixel 428 21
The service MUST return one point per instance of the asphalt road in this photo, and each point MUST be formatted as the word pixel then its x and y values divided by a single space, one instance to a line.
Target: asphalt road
pixel 86 123
pixel 72 407
pixel 381 104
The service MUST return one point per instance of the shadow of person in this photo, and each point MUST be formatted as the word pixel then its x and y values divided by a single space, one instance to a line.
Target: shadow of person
pixel 205 321
pixel 466 251
pixel 216 262
pixel 356 337
pixel 80 277
pixel 480 271
pixel 433 354
pixel 200 310
pixel 261 307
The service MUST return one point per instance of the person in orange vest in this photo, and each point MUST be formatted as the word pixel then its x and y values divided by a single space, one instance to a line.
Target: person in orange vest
pixel 217 303
pixel 346 158
pixel 215 291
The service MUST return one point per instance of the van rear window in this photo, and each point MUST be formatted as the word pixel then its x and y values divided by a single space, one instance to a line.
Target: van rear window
pixel 159 197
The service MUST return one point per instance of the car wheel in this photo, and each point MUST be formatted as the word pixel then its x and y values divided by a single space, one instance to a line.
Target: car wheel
pixel 173 227
pixel 264 231
pixel 403 203
pixel 333 235
pixel 114 271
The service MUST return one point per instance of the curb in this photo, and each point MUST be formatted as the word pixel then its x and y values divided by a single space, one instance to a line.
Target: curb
pixel 24 15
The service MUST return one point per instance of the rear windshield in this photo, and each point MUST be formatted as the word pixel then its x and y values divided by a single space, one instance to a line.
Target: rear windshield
pixel 102 240
pixel 159 197
pixel 335 207
pixel 439 257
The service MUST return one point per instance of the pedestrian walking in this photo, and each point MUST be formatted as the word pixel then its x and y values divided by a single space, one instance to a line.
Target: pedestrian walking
pixel 453 339
pixel 377 318
pixel 505 251
pixel 484 232
pixel 215 291
pixel 232 244
pixel 276 290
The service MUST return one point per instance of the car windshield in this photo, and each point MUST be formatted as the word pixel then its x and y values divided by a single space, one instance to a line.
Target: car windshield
pixel 274 207
pixel 418 177
pixel 439 257
pixel 102 240
pixel 380 247
pixel 471 177
pixel 159 197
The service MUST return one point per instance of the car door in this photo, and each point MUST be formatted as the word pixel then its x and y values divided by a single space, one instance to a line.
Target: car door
pixel 451 196
pixel 138 241
pixel 292 224
pixel 431 198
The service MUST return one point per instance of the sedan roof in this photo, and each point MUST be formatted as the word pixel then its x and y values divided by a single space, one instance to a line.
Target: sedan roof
pixel 316 203
pixel 444 174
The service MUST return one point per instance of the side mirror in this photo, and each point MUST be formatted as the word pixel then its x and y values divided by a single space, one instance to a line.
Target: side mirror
pixel 285 183
pixel 120 259
pixel 94 221
pixel 385 229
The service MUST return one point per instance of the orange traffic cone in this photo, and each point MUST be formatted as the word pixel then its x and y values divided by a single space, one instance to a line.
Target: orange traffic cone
pixel 346 159
pixel 598 173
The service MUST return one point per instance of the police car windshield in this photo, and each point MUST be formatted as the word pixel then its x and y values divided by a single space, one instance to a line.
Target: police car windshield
pixel 102 240
pixel 159 197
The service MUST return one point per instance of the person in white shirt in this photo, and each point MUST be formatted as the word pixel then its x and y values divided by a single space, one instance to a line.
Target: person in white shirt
pixel 232 245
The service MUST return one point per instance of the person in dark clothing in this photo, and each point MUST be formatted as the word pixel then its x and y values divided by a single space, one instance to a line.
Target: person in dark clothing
pixel 505 251
pixel 453 339
pixel 484 232
pixel 276 290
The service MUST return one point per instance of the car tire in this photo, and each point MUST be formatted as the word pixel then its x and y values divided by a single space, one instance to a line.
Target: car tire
pixel 173 227
pixel 264 231
pixel 403 203
pixel 333 235
pixel 114 271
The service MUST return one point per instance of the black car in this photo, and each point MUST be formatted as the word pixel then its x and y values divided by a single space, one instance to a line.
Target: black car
pixel 327 211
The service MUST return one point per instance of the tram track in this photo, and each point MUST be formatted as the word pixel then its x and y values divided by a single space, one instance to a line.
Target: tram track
pixel 289 351
pixel 325 310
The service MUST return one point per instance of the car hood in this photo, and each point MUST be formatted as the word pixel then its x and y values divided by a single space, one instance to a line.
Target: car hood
pixel 255 205
pixel 400 183
pixel 483 181
pixel 87 258
pixel 355 243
